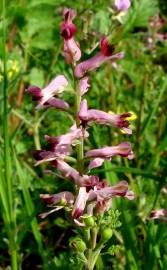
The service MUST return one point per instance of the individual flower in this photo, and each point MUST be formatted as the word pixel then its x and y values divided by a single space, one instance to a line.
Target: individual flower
pixel 67 171
pixel 105 54
pixel 72 51
pixel 118 120
pixel 68 138
pixel 57 201
pixel 159 214
pixel 106 153
pixel 60 146
pixel 122 5
pixel 45 95
pixel 60 151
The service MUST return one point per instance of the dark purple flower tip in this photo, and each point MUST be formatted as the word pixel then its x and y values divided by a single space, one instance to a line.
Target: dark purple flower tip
pixel 106 48
pixel 62 197
pixel 51 140
pixel 47 198
pixel 78 212
pixel 35 92
pixel 68 30
pixel 37 154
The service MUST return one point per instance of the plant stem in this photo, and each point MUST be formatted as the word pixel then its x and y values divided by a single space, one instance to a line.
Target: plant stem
pixel 80 146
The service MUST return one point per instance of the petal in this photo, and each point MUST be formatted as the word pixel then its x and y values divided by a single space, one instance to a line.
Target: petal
pixel 94 163
pixel 67 171
pixel 80 203
pixel 83 113
pixel 72 52
pixel 66 196
pixel 84 86
pixel 57 103
pixel 122 5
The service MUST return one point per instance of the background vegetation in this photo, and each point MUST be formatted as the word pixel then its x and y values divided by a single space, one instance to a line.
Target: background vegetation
pixel 31 52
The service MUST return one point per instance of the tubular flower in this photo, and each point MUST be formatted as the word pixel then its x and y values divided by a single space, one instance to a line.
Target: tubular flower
pixel 102 154
pixel 72 51
pixel 122 5
pixel 68 138
pixel 57 201
pixel 118 120
pixel 67 171
pixel 59 146
pixel 45 96
pixel 105 54
pixel 159 214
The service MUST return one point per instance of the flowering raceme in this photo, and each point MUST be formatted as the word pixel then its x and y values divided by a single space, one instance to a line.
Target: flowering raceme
pixel 92 196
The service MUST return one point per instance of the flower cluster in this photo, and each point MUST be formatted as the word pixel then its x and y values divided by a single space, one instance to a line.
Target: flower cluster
pixel 93 196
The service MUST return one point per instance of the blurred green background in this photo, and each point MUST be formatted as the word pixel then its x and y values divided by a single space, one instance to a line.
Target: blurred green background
pixel 33 55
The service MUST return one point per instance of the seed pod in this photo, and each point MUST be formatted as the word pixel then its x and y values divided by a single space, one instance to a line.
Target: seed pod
pixel 78 244
pixel 106 234
pixel 89 221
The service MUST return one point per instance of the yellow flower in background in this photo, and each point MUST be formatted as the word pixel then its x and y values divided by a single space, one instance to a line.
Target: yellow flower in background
pixel 13 68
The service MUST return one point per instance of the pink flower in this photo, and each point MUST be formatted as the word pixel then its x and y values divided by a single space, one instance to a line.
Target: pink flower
pixel 67 171
pixel 159 214
pixel 45 95
pixel 58 201
pixel 59 146
pixel 57 103
pixel 62 197
pixel 80 203
pixel 68 138
pixel 72 51
pixel 100 198
pixel 96 61
pixel 84 86
pixel 88 116
pixel 102 154
pixel 122 5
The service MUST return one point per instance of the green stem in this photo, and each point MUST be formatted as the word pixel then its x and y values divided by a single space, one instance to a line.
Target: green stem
pixel 80 146
pixel 14 260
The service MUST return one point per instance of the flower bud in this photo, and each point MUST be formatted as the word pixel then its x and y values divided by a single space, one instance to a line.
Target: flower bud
pixel 78 244
pixel 106 234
